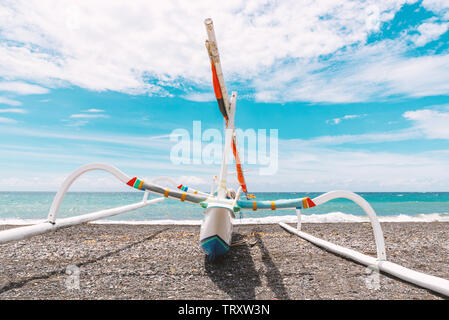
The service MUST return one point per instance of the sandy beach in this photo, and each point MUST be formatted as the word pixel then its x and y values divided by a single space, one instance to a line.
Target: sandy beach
pixel 265 262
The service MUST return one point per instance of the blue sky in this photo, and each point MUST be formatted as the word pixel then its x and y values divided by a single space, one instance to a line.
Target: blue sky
pixel 358 90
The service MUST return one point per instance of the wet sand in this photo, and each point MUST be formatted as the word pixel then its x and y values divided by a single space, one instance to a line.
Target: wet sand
pixel 265 262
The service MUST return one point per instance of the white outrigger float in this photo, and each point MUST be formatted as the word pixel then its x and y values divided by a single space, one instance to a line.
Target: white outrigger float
pixel 221 203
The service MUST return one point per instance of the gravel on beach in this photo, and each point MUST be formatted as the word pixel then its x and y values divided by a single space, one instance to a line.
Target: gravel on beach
pixel 107 261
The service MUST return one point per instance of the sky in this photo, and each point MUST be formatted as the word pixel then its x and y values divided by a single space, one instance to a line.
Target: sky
pixel 358 91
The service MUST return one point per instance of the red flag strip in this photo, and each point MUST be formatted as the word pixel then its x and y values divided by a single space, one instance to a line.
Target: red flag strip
pixel 217 91
pixel 221 105
pixel 238 165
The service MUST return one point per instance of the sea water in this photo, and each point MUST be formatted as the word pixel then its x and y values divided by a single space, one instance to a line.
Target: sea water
pixel 32 207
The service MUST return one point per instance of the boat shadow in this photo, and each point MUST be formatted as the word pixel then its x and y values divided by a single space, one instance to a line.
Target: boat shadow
pixel 272 273
pixel 235 273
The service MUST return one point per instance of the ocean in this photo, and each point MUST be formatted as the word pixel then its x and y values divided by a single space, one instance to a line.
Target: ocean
pixel 33 207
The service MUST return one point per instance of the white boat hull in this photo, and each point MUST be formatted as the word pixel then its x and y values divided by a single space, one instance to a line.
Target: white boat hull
pixel 216 231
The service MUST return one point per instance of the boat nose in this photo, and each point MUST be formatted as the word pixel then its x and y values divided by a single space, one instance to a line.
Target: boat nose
pixel 214 246
pixel 216 231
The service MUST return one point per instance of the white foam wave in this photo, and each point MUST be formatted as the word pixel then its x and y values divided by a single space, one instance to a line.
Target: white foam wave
pixel 332 217
pixel 151 222
pixel 340 217
pixel 20 222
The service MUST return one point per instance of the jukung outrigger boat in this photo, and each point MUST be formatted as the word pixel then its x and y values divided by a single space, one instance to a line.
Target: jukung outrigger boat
pixel 222 203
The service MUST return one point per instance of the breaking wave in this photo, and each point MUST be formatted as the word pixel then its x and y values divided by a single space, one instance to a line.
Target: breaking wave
pixel 332 217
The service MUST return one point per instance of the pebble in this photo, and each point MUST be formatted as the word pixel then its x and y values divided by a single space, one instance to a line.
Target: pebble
pixel 166 262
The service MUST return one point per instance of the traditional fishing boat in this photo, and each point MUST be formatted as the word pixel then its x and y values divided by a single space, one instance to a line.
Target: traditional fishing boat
pixel 221 204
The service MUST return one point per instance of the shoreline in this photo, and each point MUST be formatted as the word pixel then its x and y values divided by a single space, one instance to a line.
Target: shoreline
pixel 331 217
pixel 124 261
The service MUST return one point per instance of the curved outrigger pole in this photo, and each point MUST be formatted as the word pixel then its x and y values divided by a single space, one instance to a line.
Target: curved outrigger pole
pixel 220 207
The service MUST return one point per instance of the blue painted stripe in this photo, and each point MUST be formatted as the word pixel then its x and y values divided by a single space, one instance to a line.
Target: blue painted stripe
pixel 280 204
pixel 214 246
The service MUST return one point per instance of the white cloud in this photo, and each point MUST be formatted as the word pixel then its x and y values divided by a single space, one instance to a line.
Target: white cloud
pixel 346 117
pixel 193 181
pixel 88 116
pixel 146 142
pixel 77 124
pixel 33 181
pixel 4 100
pixel 304 165
pixel 302 169
pixel 440 7
pixel 273 47
pixel 309 169
pixel 10 110
pixel 199 97
pixel 426 124
pixel 434 124
pixel 94 110
pixel 22 87
pixel 361 73
pixel 365 138
pixel 416 77
pixel 429 32
pixel 7 120
pixel 82 119
pixel 118 45
pixel 13 110
pixel 323 169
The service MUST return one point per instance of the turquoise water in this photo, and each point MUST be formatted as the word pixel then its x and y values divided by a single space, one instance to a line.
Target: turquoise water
pixel 35 205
